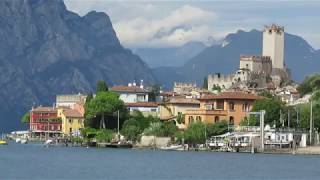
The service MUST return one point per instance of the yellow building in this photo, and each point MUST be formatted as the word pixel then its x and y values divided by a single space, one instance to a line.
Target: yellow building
pixel 175 106
pixel 72 121
pixel 230 106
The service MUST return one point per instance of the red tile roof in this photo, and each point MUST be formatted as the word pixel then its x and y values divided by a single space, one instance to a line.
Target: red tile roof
pixel 183 100
pixel 135 89
pixel 44 109
pixel 142 104
pixel 232 95
pixel 72 113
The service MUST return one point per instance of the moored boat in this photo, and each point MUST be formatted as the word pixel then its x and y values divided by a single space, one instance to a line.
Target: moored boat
pixel 2 142
pixel 24 141
pixel 173 148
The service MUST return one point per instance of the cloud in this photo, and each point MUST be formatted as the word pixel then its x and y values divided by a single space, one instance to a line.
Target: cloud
pixel 142 23
pixel 184 24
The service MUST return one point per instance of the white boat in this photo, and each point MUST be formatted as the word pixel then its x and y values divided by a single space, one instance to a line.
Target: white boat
pixel 48 143
pixel 18 140
pixel 173 148
pixel 24 141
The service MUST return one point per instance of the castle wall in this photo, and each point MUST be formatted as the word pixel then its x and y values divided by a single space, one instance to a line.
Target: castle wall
pixel 224 81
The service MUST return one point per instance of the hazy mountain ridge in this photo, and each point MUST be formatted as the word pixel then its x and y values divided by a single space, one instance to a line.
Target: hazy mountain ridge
pixel 47 50
pixel 300 57
pixel 171 56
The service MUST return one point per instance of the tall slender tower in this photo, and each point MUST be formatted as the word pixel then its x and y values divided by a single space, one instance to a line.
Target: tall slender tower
pixel 273 45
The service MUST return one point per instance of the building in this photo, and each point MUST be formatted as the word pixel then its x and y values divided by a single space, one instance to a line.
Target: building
pixel 184 88
pixel 72 121
pixel 273 45
pixel 229 106
pixel 44 122
pixel 146 108
pixel 131 93
pixel 257 64
pixel 70 100
pixel 257 71
pixel 177 106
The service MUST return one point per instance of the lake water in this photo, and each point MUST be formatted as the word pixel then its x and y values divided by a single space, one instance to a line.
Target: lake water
pixel 33 161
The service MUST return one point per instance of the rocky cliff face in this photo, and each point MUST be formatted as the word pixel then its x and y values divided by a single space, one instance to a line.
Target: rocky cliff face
pixel 46 50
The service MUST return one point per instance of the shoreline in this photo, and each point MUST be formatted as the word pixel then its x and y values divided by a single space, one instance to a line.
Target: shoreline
pixel 310 150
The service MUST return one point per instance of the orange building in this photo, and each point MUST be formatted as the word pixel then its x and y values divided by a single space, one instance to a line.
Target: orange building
pixel 229 106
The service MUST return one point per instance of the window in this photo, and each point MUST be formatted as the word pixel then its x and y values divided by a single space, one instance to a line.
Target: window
pixel 70 130
pixel 208 106
pixel 231 120
pixel 198 118
pixel 245 107
pixel 231 106
pixel 191 119
pixel 216 119
pixel 70 120
pixel 220 104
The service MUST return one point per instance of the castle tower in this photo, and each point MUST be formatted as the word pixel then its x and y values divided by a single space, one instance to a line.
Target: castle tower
pixel 273 45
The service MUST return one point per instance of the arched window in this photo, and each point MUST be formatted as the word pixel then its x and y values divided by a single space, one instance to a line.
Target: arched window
pixel 231 120
pixel 198 118
pixel 231 106
pixel 216 119
pixel 191 119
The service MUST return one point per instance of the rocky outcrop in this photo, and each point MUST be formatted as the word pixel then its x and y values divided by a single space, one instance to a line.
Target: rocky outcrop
pixel 46 50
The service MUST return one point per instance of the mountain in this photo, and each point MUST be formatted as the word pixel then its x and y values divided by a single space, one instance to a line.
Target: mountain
pixel 300 58
pixel 47 50
pixel 173 57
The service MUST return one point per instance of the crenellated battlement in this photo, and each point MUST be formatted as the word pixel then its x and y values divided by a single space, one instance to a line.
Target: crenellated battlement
pixel 220 77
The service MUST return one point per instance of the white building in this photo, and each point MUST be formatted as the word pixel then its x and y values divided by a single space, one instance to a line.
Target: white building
pixel 146 108
pixel 131 93
pixel 70 100
pixel 273 45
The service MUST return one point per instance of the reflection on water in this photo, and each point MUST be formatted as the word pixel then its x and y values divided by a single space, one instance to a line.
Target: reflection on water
pixel 33 161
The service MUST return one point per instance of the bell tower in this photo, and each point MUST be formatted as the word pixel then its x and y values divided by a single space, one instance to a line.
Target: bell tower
pixel 273 45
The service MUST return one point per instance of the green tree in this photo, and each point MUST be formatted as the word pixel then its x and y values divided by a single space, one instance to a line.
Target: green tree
pixel 196 133
pixel 104 135
pixel 216 88
pixel 180 118
pixel 162 129
pixel 26 118
pixel 205 83
pixel 102 110
pixel 89 98
pixel 102 86
pixel 310 84
pixel 250 121
pixel 266 94
pixel 88 133
pixel 272 106
pixel 217 128
pixel 131 129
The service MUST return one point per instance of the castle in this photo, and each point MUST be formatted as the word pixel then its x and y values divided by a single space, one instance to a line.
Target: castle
pixel 258 71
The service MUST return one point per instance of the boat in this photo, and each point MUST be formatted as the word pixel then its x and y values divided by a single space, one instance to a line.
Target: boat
pixel 18 140
pixel 118 145
pixel 48 143
pixel 24 141
pixel 173 148
pixel 3 142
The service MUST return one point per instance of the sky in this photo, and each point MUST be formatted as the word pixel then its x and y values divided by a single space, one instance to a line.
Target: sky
pixel 156 24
